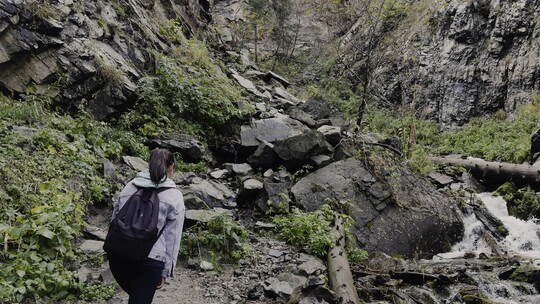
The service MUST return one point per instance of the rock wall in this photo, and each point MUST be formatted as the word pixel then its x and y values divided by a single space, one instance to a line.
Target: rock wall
pixel 95 50
pixel 470 58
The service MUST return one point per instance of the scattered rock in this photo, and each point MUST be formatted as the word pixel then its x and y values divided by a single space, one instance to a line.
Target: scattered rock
pixel 313 266
pixel 270 130
pixel 95 232
pixel 109 169
pixel 283 285
pixel 252 184
pixel 441 179
pixel 282 93
pixel 331 133
pixel 204 216
pixel 83 274
pixel 260 224
pixel 206 266
pixel 24 131
pixel 213 193
pixel 219 174
pixel 296 151
pixel 264 156
pixel 192 150
pixel 135 162
pixel 239 169
pixel 91 246
pixel 319 161
pixel 268 76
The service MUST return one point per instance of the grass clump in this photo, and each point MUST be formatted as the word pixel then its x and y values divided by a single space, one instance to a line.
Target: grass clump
pixel 522 203
pixel 219 240
pixel 313 231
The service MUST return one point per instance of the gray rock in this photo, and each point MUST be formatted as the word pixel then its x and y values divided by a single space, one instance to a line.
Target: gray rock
pixel 312 266
pixel 302 116
pixel 281 93
pixel 260 224
pixel 191 149
pixel 283 285
pixel 247 84
pixel 252 184
pixel 268 76
pixel 135 162
pixel 331 133
pixel 206 266
pixel 106 276
pixel 270 130
pixel 319 161
pixel 218 174
pixel 412 219
pixel 95 232
pixel 318 108
pixel 213 193
pixel 275 253
pixel 239 169
pixel 441 179
pixel 24 131
pixel 296 151
pixel 83 274
pixel 109 169
pixel 204 216
pixel 264 156
pixel 91 246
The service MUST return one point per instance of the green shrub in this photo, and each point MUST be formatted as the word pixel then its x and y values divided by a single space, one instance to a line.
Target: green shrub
pixel 313 231
pixel 221 239
pixel 522 202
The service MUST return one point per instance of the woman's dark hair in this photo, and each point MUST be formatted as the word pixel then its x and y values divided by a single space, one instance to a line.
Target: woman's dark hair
pixel 160 160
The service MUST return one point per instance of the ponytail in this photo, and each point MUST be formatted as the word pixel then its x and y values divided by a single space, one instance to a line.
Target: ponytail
pixel 160 161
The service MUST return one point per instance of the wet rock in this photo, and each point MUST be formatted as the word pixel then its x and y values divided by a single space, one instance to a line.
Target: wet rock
pixel 204 216
pixel 296 151
pixel 494 225
pixel 91 246
pixel 441 179
pixel 414 278
pixel 190 149
pixel 331 133
pixel 136 163
pixel 472 183
pixel 397 228
pixel 270 130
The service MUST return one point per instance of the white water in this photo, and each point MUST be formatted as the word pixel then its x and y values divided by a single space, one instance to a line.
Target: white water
pixel 523 236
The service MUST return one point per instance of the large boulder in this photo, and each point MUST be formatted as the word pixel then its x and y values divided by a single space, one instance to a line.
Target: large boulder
pixel 270 130
pixel 209 193
pixel 397 213
pixel 192 150
pixel 296 151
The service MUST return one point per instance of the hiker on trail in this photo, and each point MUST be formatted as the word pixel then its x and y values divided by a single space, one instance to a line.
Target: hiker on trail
pixel 144 235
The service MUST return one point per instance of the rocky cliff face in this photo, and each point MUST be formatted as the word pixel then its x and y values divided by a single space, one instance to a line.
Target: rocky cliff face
pixel 469 59
pixel 95 50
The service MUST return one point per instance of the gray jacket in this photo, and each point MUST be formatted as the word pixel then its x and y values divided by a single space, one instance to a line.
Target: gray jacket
pixel 171 211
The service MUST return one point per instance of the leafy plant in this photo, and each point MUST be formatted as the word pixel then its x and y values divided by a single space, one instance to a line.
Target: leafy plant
pixel 523 203
pixel 221 239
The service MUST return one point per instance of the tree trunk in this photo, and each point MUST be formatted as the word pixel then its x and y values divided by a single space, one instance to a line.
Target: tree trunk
pixel 339 270
pixel 529 173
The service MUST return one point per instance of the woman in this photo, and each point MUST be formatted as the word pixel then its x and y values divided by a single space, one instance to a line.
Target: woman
pixel 141 279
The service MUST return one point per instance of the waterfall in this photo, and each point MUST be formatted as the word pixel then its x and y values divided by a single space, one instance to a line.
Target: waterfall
pixel 523 236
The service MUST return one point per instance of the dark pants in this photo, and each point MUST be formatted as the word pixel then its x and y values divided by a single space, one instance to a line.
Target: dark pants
pixel 138 279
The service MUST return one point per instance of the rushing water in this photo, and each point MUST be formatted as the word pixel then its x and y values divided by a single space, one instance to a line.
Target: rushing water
pixel 523 236
pixel 523 241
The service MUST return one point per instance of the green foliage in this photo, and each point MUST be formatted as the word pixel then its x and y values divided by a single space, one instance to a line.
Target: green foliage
pixel 312 230
pixel 187 94
pixel 48 179
pixel 200 167
pixel 221 239
pixel 98 292
pixel 522 203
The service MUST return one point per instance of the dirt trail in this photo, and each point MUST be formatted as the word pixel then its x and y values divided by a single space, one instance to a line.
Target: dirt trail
pixel 182 289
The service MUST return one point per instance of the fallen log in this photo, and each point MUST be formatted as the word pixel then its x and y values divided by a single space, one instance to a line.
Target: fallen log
pixel 529 173
pixel 339 270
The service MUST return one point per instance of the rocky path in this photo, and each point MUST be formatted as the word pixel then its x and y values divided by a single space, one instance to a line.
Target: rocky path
pixel 184 288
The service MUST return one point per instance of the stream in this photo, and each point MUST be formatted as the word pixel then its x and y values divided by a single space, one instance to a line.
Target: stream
pixel 522 247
